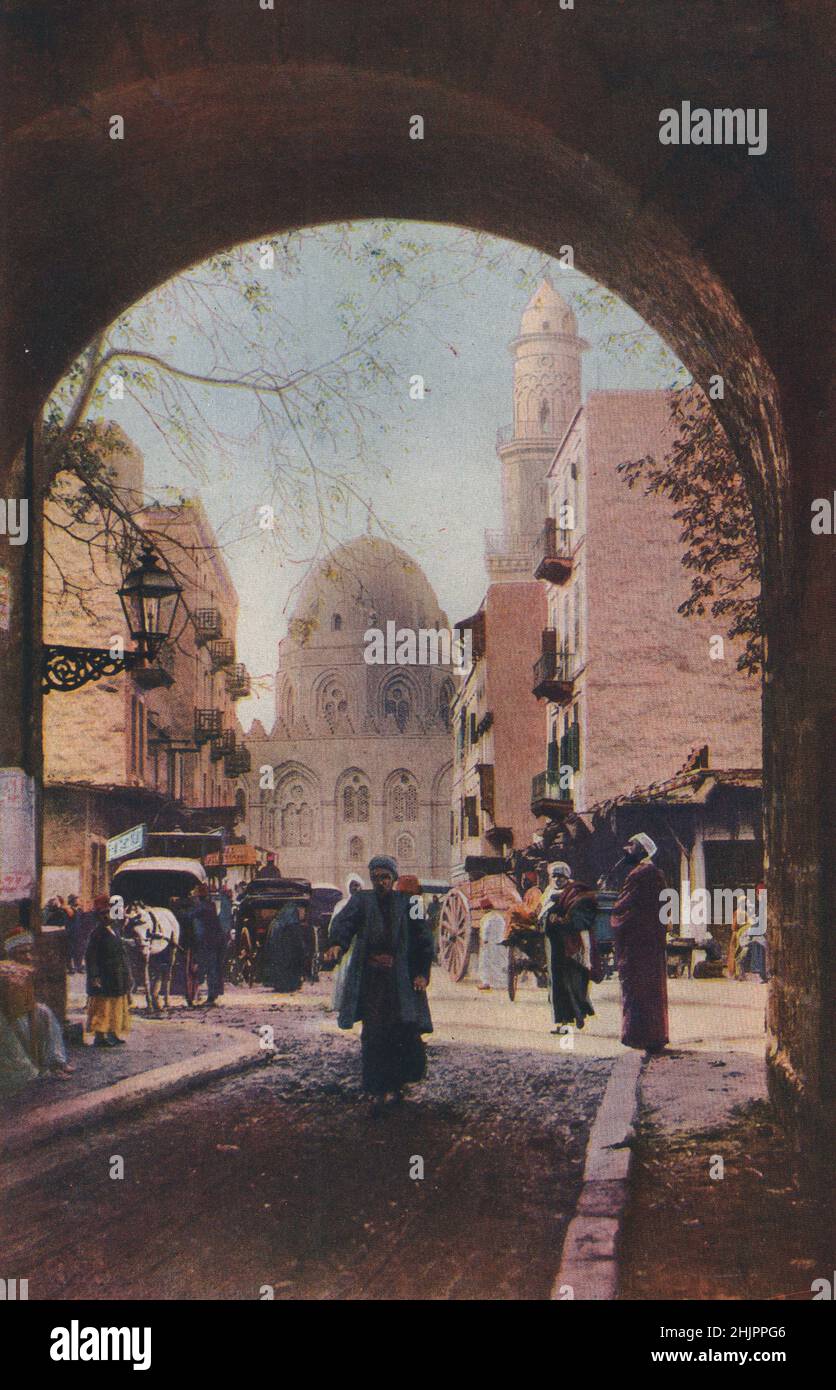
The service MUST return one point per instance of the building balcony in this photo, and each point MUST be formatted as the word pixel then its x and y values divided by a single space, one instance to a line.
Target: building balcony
pixel 554 671
pixel 157 673
pixel 237 681
pixel 515 544
pixel 208 625
pixel 208 724
pixel 221 652
pixel 237 762
pixel 548 798
pixel 223 745
pixel 553 554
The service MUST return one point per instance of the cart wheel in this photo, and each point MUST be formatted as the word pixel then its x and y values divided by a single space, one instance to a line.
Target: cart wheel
pixel 455 938
pixel 512 973
pixel 192 978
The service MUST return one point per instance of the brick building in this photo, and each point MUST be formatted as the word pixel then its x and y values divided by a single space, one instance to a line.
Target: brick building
pixel 630 684
pixel 145 746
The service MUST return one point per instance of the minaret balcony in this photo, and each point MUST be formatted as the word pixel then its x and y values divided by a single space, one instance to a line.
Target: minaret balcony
pixel 527 432
pixel 553 553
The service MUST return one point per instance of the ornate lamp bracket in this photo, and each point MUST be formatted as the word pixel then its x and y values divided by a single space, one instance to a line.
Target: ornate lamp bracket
pixel 68 668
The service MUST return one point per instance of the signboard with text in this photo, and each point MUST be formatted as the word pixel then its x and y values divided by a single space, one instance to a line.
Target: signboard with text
pixel 127 843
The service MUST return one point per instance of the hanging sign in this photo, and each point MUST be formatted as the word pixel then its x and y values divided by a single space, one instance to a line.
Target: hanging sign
pixel 127 843
pixel 17 835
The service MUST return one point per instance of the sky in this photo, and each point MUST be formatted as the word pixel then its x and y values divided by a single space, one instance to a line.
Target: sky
pixel 428 466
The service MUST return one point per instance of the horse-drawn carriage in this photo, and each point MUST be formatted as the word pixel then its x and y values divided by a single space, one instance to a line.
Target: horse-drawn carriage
pixel 157 931
pixel 263 898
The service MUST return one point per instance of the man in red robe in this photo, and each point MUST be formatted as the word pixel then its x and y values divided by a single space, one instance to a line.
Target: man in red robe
pixel 640 949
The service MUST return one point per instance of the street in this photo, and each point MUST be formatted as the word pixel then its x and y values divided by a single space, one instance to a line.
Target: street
pixel 279 1183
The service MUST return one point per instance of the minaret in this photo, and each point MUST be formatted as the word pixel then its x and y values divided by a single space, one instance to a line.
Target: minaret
pixel 547 393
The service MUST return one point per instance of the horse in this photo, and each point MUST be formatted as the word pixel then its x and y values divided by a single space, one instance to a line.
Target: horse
pixel 156 934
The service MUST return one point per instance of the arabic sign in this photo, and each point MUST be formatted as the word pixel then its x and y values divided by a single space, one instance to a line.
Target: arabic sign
pixel 127 843
pixel 17 835
pixel 232 855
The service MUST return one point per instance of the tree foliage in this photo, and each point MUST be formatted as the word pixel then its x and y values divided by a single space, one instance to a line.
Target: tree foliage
pixel 701 477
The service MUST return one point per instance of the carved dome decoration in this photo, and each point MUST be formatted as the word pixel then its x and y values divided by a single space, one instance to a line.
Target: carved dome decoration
pixel 367 582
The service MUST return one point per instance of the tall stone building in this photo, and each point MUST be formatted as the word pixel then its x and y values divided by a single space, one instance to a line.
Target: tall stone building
pixel 156 745
pixel 358 760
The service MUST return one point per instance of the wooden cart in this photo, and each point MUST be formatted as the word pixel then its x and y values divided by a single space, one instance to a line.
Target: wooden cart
pixel 461 914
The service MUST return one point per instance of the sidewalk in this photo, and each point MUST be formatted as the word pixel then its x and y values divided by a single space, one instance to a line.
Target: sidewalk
pixel 716 1208
pixel 163 1055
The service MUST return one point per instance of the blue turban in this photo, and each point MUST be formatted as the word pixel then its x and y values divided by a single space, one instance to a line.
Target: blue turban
pixel 383 861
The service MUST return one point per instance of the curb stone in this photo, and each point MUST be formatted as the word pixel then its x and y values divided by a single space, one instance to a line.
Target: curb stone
pixel 589 1262
pixel 132 1093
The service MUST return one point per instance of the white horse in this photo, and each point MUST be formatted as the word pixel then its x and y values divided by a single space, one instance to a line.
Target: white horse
pixel 156 933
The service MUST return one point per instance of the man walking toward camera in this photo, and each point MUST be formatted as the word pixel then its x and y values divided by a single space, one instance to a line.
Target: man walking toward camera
pixel 385 982
pixel 640 954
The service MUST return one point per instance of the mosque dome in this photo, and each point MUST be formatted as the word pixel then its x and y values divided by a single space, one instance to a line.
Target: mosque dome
pixel 548 312
pixel 364 583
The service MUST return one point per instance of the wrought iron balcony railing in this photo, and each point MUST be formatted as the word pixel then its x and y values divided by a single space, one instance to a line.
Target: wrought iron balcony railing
pixel 208 724
pixel 223 745
pixel 237 762
pixel 237 681
pixel 528 431
pixel 208 625
pixel 222 652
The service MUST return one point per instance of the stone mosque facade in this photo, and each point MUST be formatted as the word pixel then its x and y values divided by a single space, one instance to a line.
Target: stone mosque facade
pixel 359 759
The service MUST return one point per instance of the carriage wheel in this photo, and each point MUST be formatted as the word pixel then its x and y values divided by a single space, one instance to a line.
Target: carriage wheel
pixel 454 934
pixel 512 973
pixel 192 978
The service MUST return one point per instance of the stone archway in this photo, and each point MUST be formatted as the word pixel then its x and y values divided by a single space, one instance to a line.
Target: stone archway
pixel 541 126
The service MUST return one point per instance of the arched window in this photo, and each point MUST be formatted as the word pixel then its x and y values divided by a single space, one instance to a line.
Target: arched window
pixel 404 799
pixel 334 705
pixel 337 622
pixel 405 849
pixel 356 800
pixel 296 816
pixel 397 704
pixel 355 849
pixel 445 703
pixel 545 415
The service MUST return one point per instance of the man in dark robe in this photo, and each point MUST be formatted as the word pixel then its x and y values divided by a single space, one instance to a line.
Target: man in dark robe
pixel 385 982
pixel 283 956
pixel 639 935
pixel 568 918
pixel 210 942
pixel 269 869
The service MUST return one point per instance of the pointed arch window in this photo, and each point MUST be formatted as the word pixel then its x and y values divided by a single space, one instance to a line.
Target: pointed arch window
pixel 334 705
pixel 355 801
pixel 445 704
pixel 296 816
pixel 337 622
pixel 404 800
pixel 405 849
pixel 355 849
pixel 398 704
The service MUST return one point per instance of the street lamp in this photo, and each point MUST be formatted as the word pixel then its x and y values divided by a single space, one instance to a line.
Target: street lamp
pixel 149 596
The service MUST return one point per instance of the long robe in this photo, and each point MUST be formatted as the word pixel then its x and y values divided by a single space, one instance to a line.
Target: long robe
pixel 389 950
pixel 283 956
pixel 640 956
pixel 569 918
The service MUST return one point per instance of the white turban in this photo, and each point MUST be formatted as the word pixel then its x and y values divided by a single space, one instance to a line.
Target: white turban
pixel 560 868
pixel 648 845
